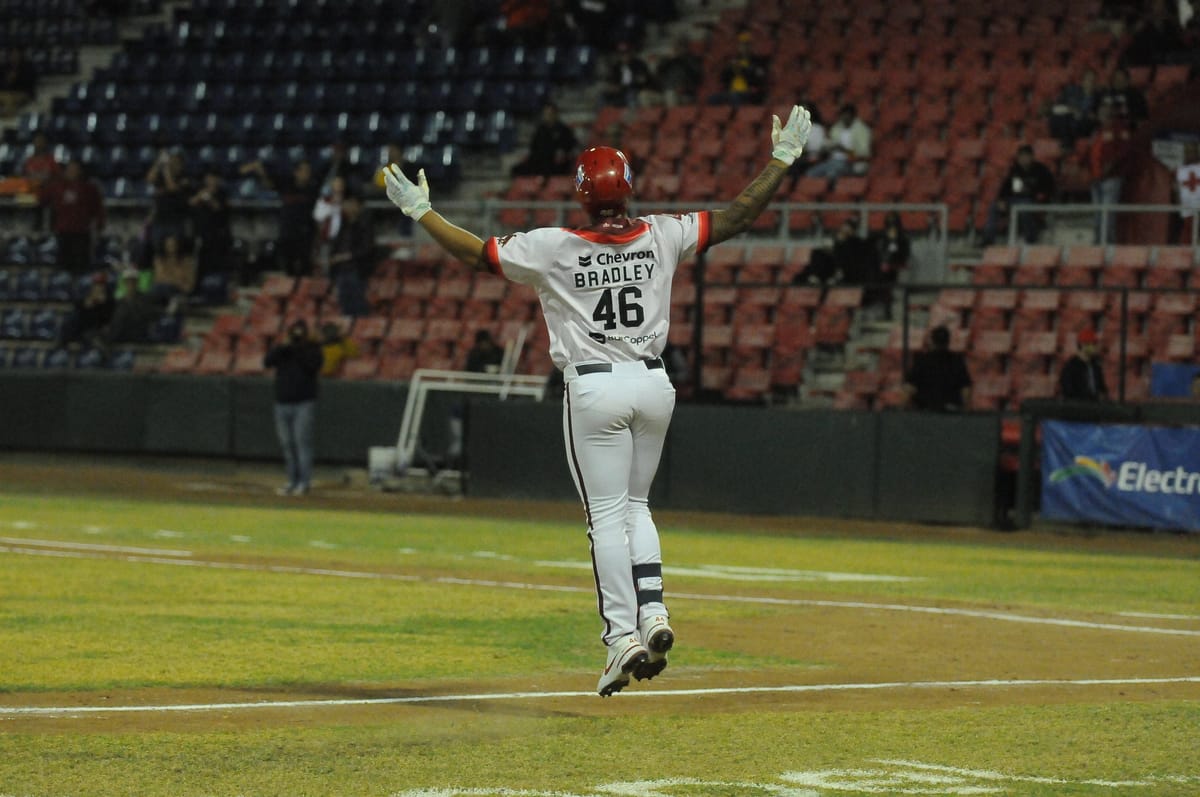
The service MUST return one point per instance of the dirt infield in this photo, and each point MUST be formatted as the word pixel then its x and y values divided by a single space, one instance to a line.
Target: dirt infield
pixel 1027 661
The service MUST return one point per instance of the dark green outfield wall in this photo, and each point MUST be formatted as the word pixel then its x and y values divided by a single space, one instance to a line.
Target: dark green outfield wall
pixel 902 466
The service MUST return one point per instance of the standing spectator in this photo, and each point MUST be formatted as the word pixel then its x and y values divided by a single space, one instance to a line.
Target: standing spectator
pixel 77 212
pixel 297 362
pixel 174 271
pixel 1073 113
pixel 678 76
pixel 892 251
pixel 1107 155
pixel 1082 378
pixel 18 81
pixel 327 215
pixel 172 191
pixel 848 145
pixel 744 78
pixel 351 258
pixel 1028 182
pixel 1126 101
pixel 628 78
pixel 814 152
pixel 1186 193
pixel 938 380
pixel 550 148
pixel 336 348
pixel 298 193
pixel 210 219
pixel 484 357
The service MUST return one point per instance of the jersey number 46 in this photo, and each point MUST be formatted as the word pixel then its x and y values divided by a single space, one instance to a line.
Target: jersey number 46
pixel 625 308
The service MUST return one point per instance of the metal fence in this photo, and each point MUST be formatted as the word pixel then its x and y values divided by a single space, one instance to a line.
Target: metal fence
pixel 1104 215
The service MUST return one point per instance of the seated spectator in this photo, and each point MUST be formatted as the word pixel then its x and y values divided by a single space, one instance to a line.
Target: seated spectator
pixel 485 356
pixel 352 257
pixel 336 348
pixel 628 77
pixel 552 149
pixel 89 319
pixel 848 144
pixel 1082 377
pixel 744 78
pixel 172 189
pixel 850 261
pixel 1072 115
pixel 133 312
pixel 210 220
pixel 1107 156
pixel 1127 102
pixel 815 151
pixel 938 380
pixel 18 81
pixel 174 271
pixel 678 76
pixel 298 193
pixel 77 212
pixel 892 251
pixel 41 166
pixel 1028 182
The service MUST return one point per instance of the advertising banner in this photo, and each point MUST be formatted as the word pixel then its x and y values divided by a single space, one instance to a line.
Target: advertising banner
pixel 1121 475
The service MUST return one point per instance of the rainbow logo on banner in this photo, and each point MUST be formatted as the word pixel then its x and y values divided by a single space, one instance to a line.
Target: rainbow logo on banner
pixel 1086 466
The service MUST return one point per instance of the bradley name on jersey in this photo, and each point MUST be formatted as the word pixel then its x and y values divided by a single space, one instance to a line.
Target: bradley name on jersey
pixel 618 270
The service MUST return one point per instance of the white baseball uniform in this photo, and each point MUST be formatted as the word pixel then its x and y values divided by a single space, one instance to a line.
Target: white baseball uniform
pixel 605 292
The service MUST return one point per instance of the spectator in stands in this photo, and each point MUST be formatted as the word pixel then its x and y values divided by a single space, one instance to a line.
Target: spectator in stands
pixel 174 271
pixel 1082 378
pixel 1107 155
pixel 41 166
pixel 1028 182
pixel 352 256
pixel 848 145
pixel 814 151
pixel 297 362
pixel 744 78
pixel 851 260
pixel 1072 114
pixel 938 380
pixel 18 81
pixel 678 76
pixel 552 147
pixel 172 190
pixel 1126 101
pixel 77 211
pixel 892 251
pixel 485 356
pixel 134 311
pixel 210 220
pixel 628 79
pixel 298 193
pixel 327 215
pixel 1155 35
pixel 336 348
pixel 337 165
pixel 89 318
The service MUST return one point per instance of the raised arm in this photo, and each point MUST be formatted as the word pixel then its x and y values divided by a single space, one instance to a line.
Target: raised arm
pixel 413 200
pixel 787 143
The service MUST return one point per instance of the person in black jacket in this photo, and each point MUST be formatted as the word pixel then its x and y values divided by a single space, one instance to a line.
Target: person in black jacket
pixel 938 380
pixel 1082 377
pixel 297 362
pixel 1028 182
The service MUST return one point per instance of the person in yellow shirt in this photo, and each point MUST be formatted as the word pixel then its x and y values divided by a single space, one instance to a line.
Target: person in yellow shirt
pixel 336 347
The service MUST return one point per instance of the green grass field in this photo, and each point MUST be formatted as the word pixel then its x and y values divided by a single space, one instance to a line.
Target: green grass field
pixel 421 654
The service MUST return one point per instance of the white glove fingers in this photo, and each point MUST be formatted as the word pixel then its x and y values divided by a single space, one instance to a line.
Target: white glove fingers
pixel 422 183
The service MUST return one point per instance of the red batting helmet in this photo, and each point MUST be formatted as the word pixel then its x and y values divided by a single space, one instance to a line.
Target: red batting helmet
pixel 603 181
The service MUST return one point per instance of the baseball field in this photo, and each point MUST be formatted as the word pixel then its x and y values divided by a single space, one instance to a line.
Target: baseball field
pixel 173 628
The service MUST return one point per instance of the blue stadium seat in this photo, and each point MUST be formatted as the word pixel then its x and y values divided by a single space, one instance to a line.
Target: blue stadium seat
pixel 45 325
pixel 123 360
pixel 90 358
pixel 26 357
pixel 58 358
pixel 166 329
pixel 13 323
pixel 60 287
pixel 29 285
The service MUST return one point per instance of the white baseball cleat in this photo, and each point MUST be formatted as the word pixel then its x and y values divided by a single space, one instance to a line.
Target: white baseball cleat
pixel 658 638
pixel 624 656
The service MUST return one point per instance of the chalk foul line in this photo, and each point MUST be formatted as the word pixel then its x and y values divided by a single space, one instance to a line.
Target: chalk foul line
pixel 74 711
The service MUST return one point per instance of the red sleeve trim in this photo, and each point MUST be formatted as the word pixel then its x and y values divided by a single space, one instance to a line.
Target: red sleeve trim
pixel 705 220
pixel 491 255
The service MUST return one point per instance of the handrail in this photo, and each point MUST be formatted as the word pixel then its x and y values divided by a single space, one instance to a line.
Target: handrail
pixel 1104 210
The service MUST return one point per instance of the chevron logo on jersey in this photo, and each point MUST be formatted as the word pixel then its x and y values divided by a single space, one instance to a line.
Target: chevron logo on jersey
pixel 585 261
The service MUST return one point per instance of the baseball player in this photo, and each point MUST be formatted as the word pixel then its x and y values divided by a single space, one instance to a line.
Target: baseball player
pixel 605 291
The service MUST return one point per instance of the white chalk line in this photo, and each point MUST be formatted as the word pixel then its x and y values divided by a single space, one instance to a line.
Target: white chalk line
pixel 986 774
pixel 54 711
pixel 88 552
pixel 91 546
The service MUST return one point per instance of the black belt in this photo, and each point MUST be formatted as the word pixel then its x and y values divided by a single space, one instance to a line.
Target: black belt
pixel 606 368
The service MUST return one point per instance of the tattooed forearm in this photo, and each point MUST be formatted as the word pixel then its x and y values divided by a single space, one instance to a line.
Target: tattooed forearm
pixel 742 212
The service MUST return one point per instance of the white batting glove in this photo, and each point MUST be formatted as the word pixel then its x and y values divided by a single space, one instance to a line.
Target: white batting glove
pixel 411 198
pixel 788 140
